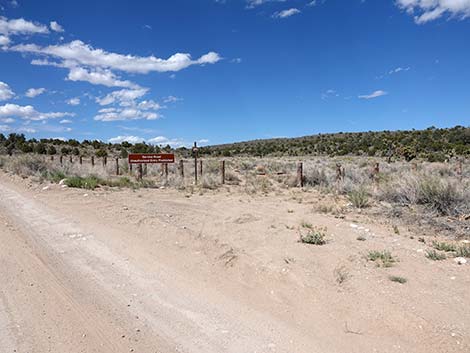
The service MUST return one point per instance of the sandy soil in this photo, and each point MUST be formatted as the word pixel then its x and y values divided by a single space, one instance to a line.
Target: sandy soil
pixel 163 271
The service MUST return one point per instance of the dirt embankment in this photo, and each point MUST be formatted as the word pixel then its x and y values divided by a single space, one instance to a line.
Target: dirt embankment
pixel 156 271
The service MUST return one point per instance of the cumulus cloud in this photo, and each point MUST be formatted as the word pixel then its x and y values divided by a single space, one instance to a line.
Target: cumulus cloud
pixel 130 139
pixel 98 77
pixel 28 113
pixel 5 92
pixel 375 94
pixel 121 114
pixel 80 54
pixel 20 26
pixel 65 121
pixel 286 13
pixel 73 101
pixel 428 10
pixel 56 27
pixel 34 92
pixel 4 40
pixel 122 96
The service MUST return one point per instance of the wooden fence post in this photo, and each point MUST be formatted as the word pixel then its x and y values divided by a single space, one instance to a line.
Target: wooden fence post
pixel 375 172
pixel 117 166
pixel 460 169
pixel 80 160
pixel 181 168
pixel 105 161
pixel 52 158
pixel 61 159
pixel 195 162
pixel 139 172
pixel 200 168
pixel 92 161
pixel 166 171
pixel 70 159
pixel 130 168
pixel 300 174
pixel 339 173
pixel 222 171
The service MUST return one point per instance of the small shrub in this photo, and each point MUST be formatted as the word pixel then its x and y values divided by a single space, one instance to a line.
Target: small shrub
pixel 442 246
pixel 463 251
pixel 398 279
pixel 381 258
pixel 435 256
pixel 341 274
pixel 314 235
pixel 359 198
pixel 441 197
pixel 90 182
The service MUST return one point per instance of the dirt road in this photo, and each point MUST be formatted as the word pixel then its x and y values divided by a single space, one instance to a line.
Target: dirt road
pixel 161 271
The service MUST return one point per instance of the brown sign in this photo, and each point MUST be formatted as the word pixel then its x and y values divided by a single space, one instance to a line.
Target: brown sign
pixel 147 158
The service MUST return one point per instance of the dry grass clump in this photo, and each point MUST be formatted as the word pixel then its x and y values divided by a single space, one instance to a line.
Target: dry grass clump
pixel 359 198
pixel 381 258
pixel 312 234
pixel 26 165
pixel 435 256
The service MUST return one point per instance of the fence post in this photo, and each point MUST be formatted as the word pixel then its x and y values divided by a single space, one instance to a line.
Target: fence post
pixel 80 160
pixel 61 159
pixel 130 168
pixel 139 172
pixel 222 171
pixel 52 158
pixel 70 159
pixel 339 173
pixel 105 161
pixel 166 171
pixel 460 169
pixel 414 166
pixel 92 161
pixel 300 174
pixel 181 168
pixel 375 172
pixel 200 168
pixel 195 162
pixel 117 166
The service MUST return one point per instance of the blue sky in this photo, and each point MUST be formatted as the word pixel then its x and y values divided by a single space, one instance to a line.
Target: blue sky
pixel 219 71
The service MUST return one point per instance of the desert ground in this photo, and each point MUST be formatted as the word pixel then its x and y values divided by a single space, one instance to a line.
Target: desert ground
pixel 186 269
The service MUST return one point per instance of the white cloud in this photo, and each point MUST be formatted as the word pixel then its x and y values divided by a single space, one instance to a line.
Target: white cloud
pixel 122 96
pixel 28 113
pixel 34 92
pixel 65 121
pixel 375 94
pixel 130 139
pixel 254 3
pixel 428 10
pixel 286 13
pixel 20 26
pixel 163 141
pixel 73 101
pixel 5 92
pixel 172 99
pixel 56 27
pixel 98 77
pixel 7 120
pixel 77 53
pixel 122 114
pixel 4 40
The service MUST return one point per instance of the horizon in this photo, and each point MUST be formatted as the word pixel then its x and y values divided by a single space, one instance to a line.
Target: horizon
pixel 221 72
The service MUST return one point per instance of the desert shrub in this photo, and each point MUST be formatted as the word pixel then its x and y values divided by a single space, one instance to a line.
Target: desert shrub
pixel 463 251
pixel 398 279
pixel 27 165
pixel 381 258
pixel 209 181
pixel 231 178
pixel 315 177
pixel 442 246
pixel 54 175
pixel 435 256
pixel 90 182
pixel 313 235
pixel 359 198
pixel 441 197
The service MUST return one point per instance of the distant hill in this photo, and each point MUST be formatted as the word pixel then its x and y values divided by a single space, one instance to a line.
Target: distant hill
pixel 432 144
